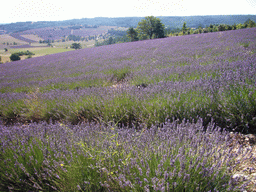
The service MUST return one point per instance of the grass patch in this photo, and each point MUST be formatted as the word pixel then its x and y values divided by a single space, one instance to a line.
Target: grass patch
pixel 118 75
pixel 41 50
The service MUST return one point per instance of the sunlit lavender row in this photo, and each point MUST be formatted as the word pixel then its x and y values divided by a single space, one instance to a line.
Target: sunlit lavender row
pixel 209 76
pixel 90 157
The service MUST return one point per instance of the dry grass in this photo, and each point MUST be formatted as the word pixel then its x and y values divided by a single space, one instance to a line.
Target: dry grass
pixel 5 59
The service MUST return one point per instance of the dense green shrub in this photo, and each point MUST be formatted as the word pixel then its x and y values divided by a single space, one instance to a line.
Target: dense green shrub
pixel 15 57
pixel 76 46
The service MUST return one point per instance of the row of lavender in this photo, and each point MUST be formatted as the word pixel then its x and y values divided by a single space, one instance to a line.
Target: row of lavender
pixel 178 157
pixel 211 76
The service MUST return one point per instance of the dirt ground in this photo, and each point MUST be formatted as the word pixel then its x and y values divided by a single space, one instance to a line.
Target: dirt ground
pixel 246 168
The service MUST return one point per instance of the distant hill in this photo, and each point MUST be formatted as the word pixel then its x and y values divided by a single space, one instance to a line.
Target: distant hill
pixel 171 21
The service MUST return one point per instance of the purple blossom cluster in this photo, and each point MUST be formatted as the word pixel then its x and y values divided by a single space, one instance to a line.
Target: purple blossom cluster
pixel 211 76
pixel 94 157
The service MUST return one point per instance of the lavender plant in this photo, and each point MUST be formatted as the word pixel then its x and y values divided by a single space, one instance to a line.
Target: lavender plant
pixel 92 157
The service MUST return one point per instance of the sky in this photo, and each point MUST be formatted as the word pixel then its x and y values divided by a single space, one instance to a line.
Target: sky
pixel 55 10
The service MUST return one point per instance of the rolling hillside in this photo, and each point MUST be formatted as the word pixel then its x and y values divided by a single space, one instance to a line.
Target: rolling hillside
pixel 153 115
pixel 172 21
pixel 211 76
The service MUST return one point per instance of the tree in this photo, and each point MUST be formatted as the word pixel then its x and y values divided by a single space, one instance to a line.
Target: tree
pixel 132 34
pixel 15 57
pixel 110 40
pixel 76 46
pixel 199 29
pixel 159 29
pixel 228 27
pixel 150 26
pixel 221 27
pixel 249 23
pixel 240 26
pixel 184 28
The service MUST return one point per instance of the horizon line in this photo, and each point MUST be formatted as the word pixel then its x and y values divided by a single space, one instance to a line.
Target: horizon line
pixel 124 17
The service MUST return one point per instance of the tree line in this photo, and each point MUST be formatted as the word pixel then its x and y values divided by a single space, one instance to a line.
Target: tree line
pixel 212 28
pixel 152 27
pixel 14 43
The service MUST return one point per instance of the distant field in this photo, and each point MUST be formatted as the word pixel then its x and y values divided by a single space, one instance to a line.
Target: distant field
pixel 84 44
pixel 38 52
pixel 57 33
pixel 5 56
pixel 40 49
pixel 29 40
pixel 33 37
pixel 8 39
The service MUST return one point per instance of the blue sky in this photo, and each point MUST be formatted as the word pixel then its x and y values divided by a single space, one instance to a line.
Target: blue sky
pixel 53 10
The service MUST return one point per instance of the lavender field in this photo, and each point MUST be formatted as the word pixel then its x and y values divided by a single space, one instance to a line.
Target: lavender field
pixel 209 76
pixel 150 115
pixel 92 157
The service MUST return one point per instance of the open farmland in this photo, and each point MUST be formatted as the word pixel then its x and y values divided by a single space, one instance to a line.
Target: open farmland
pixel 9 39
pixel 22 38
pixel 37 50
pixel 135 116
pixel 32 37
pixel 29 40
pixel 40 49
pixel 57 33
